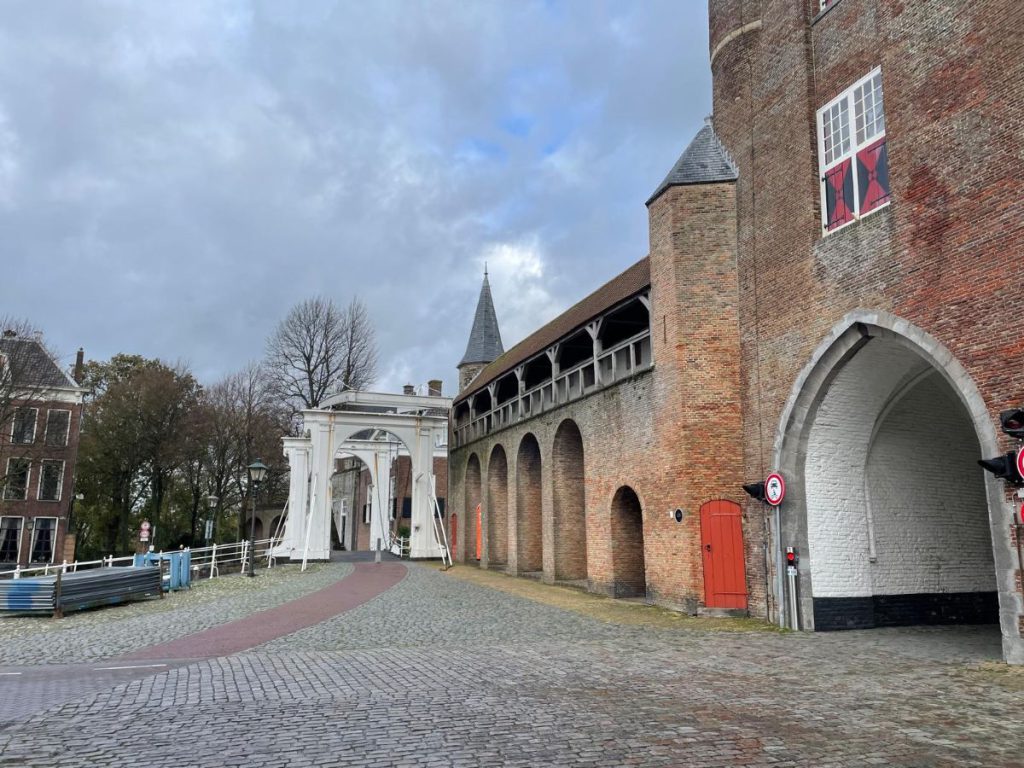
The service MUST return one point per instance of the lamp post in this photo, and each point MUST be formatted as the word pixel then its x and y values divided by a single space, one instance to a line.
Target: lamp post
pixel 211 517
pixel 257 471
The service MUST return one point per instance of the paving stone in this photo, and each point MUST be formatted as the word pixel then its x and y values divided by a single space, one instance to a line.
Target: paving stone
pixel 440 672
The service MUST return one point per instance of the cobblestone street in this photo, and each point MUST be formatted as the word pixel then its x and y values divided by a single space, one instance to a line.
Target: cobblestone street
pixel 441 670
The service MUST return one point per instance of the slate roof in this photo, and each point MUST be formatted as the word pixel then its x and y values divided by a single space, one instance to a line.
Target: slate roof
pixel 31 365
pixel 705 161
pixel 485 338
pixel 619 288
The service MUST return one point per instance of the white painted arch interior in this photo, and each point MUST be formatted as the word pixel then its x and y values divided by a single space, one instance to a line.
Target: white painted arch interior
pixel 895 499
pixel 903 375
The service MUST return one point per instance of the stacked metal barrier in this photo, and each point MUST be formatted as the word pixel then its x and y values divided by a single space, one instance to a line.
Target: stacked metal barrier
pixel 74 591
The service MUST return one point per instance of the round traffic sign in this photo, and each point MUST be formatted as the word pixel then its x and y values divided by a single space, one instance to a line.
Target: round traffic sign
pixel 145 525
pixel 774 489
pixel 1020 462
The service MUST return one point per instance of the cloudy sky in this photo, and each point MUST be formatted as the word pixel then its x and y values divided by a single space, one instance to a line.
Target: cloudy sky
pixel 175 176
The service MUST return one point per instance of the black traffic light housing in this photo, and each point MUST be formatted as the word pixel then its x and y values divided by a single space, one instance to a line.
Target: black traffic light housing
pixel 1004 467
pixel 1012 422
pixel 792 558
pixel 755 490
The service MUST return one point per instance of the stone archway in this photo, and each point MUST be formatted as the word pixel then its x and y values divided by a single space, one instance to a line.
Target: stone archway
pixel 629 576
pixel 892 518
pixel 497 508
pixel 570 520
pixel 474 497
pixel 529 519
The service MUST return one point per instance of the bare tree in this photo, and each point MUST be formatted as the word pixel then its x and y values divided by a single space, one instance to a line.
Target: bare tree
pixel 318 350
pixel 360 347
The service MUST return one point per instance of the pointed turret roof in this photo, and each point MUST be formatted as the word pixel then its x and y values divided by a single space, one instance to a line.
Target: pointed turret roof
pixel 705 161
pixel 485 339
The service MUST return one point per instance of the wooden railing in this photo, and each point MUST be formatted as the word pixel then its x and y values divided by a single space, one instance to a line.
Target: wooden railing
pixel 611 366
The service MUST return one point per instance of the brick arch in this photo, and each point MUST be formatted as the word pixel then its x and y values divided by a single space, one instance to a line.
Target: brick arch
pixel 569 496
pixel 474 495
pixel 496 513
pixel 873 384
pixel 629 574
pixel 529 520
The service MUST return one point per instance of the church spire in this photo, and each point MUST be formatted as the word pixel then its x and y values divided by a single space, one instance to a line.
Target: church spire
pixel 485 338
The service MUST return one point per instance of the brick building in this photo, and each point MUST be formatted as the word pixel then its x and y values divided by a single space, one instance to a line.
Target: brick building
pixel 356 497
pixel 40 420
pixel 827 294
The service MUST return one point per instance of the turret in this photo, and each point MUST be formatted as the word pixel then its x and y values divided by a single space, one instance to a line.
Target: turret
pixel 484 340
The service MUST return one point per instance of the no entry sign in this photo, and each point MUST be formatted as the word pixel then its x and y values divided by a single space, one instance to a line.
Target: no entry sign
pixel 774 489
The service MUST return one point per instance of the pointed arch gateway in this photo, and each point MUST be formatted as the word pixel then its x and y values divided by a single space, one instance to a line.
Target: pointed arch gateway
pixel 893 520
pixel 570 520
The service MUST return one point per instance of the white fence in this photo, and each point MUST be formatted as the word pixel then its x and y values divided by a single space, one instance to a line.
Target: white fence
pixel 206 561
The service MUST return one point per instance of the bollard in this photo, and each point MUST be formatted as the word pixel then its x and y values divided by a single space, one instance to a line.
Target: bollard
pixel 376 554
pixel 58 609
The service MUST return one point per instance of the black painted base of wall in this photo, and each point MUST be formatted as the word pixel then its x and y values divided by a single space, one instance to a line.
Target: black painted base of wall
pixel 833 613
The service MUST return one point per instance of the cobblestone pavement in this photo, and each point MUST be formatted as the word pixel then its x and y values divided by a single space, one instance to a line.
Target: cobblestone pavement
pixel 439 672
pixel 104 633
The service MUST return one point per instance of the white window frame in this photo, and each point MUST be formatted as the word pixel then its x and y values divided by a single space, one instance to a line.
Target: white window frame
pixel 21 532
pixel 35 424
pixel 7 481
pixel 67 431
pixel 35 532
pixel 850 154
pixel 60 480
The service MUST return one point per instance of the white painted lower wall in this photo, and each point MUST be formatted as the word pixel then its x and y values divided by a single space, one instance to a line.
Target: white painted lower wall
pixel 908 483
pixel 931 525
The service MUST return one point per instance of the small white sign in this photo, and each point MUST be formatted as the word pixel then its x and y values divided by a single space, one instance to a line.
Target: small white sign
pixel 791 570
pixel 209 529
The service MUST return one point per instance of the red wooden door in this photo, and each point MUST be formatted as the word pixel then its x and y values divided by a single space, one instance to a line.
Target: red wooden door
pixel 479 532
pixel 721 534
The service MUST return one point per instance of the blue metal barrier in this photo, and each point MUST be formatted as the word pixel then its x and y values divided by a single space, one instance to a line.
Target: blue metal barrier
pixel 179 567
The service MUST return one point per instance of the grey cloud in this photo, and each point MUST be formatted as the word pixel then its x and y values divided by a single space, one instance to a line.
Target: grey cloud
pixel 173 177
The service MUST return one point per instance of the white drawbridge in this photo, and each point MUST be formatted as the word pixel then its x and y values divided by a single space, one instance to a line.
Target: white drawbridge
pixel 418 423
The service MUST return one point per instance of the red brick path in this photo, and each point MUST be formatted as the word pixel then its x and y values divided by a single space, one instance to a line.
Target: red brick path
pixel 362 585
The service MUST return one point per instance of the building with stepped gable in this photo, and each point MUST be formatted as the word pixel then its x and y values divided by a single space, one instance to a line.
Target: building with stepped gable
pixel 828 293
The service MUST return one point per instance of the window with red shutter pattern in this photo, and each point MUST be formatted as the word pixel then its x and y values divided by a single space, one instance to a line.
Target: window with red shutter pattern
pixel 839 195
pixel 873 176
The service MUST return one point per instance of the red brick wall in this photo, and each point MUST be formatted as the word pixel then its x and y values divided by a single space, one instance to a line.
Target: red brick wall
pixel 671 433
pixel 37 453
pixel 944 255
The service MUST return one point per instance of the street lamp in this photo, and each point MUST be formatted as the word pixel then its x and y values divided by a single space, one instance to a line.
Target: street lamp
pixel 257 471
pixel 211 516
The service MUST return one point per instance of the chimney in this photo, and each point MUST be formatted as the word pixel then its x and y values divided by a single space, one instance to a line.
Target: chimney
pixel 434 387
pixel 79 372
pixel 408 389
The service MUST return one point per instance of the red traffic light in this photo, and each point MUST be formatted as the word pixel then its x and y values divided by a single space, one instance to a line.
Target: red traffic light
pixel 1012 422
pixel 791 558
